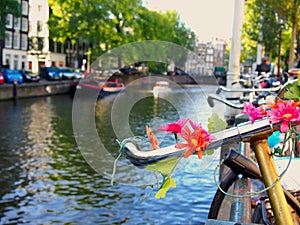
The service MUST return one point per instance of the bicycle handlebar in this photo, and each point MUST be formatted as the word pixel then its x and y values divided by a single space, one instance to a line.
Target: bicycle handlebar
pixel 243 132
pixel 211 98
pixel 278 90
pixel 222 88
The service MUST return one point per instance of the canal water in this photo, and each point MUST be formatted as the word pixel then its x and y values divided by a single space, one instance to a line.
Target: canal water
pixel 45 179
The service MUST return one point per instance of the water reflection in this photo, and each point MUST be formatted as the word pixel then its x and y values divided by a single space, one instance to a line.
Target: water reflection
pixel 45 180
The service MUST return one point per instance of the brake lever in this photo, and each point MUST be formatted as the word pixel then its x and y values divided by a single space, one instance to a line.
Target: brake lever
pixel 210 101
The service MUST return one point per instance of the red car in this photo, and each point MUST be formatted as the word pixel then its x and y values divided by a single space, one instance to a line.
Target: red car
pixel 1 78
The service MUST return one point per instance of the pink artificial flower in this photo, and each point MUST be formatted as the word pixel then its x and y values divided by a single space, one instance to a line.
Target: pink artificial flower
pixel 197 140
pixel 175 127
pixel 255 113
pixel 194 125
pixel 284 111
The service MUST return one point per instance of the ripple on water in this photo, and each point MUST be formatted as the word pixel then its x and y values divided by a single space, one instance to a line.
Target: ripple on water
pixel 45 180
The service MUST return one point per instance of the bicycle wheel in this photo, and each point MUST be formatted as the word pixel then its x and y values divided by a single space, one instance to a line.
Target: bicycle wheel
pixel 225 184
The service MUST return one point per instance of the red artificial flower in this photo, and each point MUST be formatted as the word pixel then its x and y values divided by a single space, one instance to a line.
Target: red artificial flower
pixel 278 103
pixel 255 113
pixel 175 127
pixel 197 140
pixel 153 140
pixel 284 111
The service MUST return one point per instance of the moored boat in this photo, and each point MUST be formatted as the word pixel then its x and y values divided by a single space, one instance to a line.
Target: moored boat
pixel 161 88
pixel 111 87
pixel 103 87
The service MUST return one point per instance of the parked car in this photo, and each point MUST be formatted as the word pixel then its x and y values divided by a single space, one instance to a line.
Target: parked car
pixel 29 76
pixel 129 70
pixel 12 76
pixel 50 73
pixel 67 73
pixel 220 74
pixel 78 74
pixel 1 78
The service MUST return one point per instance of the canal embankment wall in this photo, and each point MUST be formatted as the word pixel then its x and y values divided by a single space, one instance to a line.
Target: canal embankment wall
pixel 46 88
pixel 27 90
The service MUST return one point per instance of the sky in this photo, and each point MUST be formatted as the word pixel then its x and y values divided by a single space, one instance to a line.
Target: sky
pixel 207 18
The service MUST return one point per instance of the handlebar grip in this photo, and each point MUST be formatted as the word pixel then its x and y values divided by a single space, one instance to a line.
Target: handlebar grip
pixel 242 165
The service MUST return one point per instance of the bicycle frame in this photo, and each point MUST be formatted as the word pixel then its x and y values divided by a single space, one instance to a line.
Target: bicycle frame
pixel 270 176
pixel 268 165
pixel 256 134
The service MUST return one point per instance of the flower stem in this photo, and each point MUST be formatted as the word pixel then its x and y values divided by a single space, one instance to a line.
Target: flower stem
pixel 176 138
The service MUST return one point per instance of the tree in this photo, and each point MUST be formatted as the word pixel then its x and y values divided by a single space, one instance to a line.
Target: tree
pixel 96 22
pixel 7 7
pixel 260 17
pixel 154 25
pixel 107 24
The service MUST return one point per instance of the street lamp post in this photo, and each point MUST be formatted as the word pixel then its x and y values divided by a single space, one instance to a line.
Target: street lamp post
pixel 279 53
pixel 280 23
pixel 235 54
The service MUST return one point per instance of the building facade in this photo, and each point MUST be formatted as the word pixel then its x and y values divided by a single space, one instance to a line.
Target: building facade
pixel 14 54
pixel 212 54
pixel 39 52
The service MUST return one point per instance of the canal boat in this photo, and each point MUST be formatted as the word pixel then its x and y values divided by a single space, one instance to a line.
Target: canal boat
pixel 161 88
pixel 104 88
pixel 111 87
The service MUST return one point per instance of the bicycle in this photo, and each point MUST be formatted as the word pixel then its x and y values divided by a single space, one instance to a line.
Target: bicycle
pixel 238 212
pixel 256 134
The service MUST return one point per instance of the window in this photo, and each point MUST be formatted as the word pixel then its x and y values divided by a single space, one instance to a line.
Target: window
pixel 8 39
pixel 24 24
pixel 209 58
pixel 40 43
pixel 210 51
pixel 40 8
pixel 16 62
pixel 59 48
pixel 16 40
pixel 9 21
pixel 7 59
pixel 24 42
pixel 39 25
pixel 23 62
pixel 24 8
pixel 17 22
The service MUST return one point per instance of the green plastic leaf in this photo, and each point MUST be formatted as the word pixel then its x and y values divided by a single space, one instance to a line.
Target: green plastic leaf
pixel 208 152
pixel 165 167
pixel 292 91
pixel 215 123
pixel 168 183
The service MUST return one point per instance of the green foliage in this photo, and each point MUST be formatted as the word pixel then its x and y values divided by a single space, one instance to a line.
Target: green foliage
pixel 153 25
pixel 157 67
pixel 8 7
pixel 260 26
pixel 108 24
pixel 75 19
